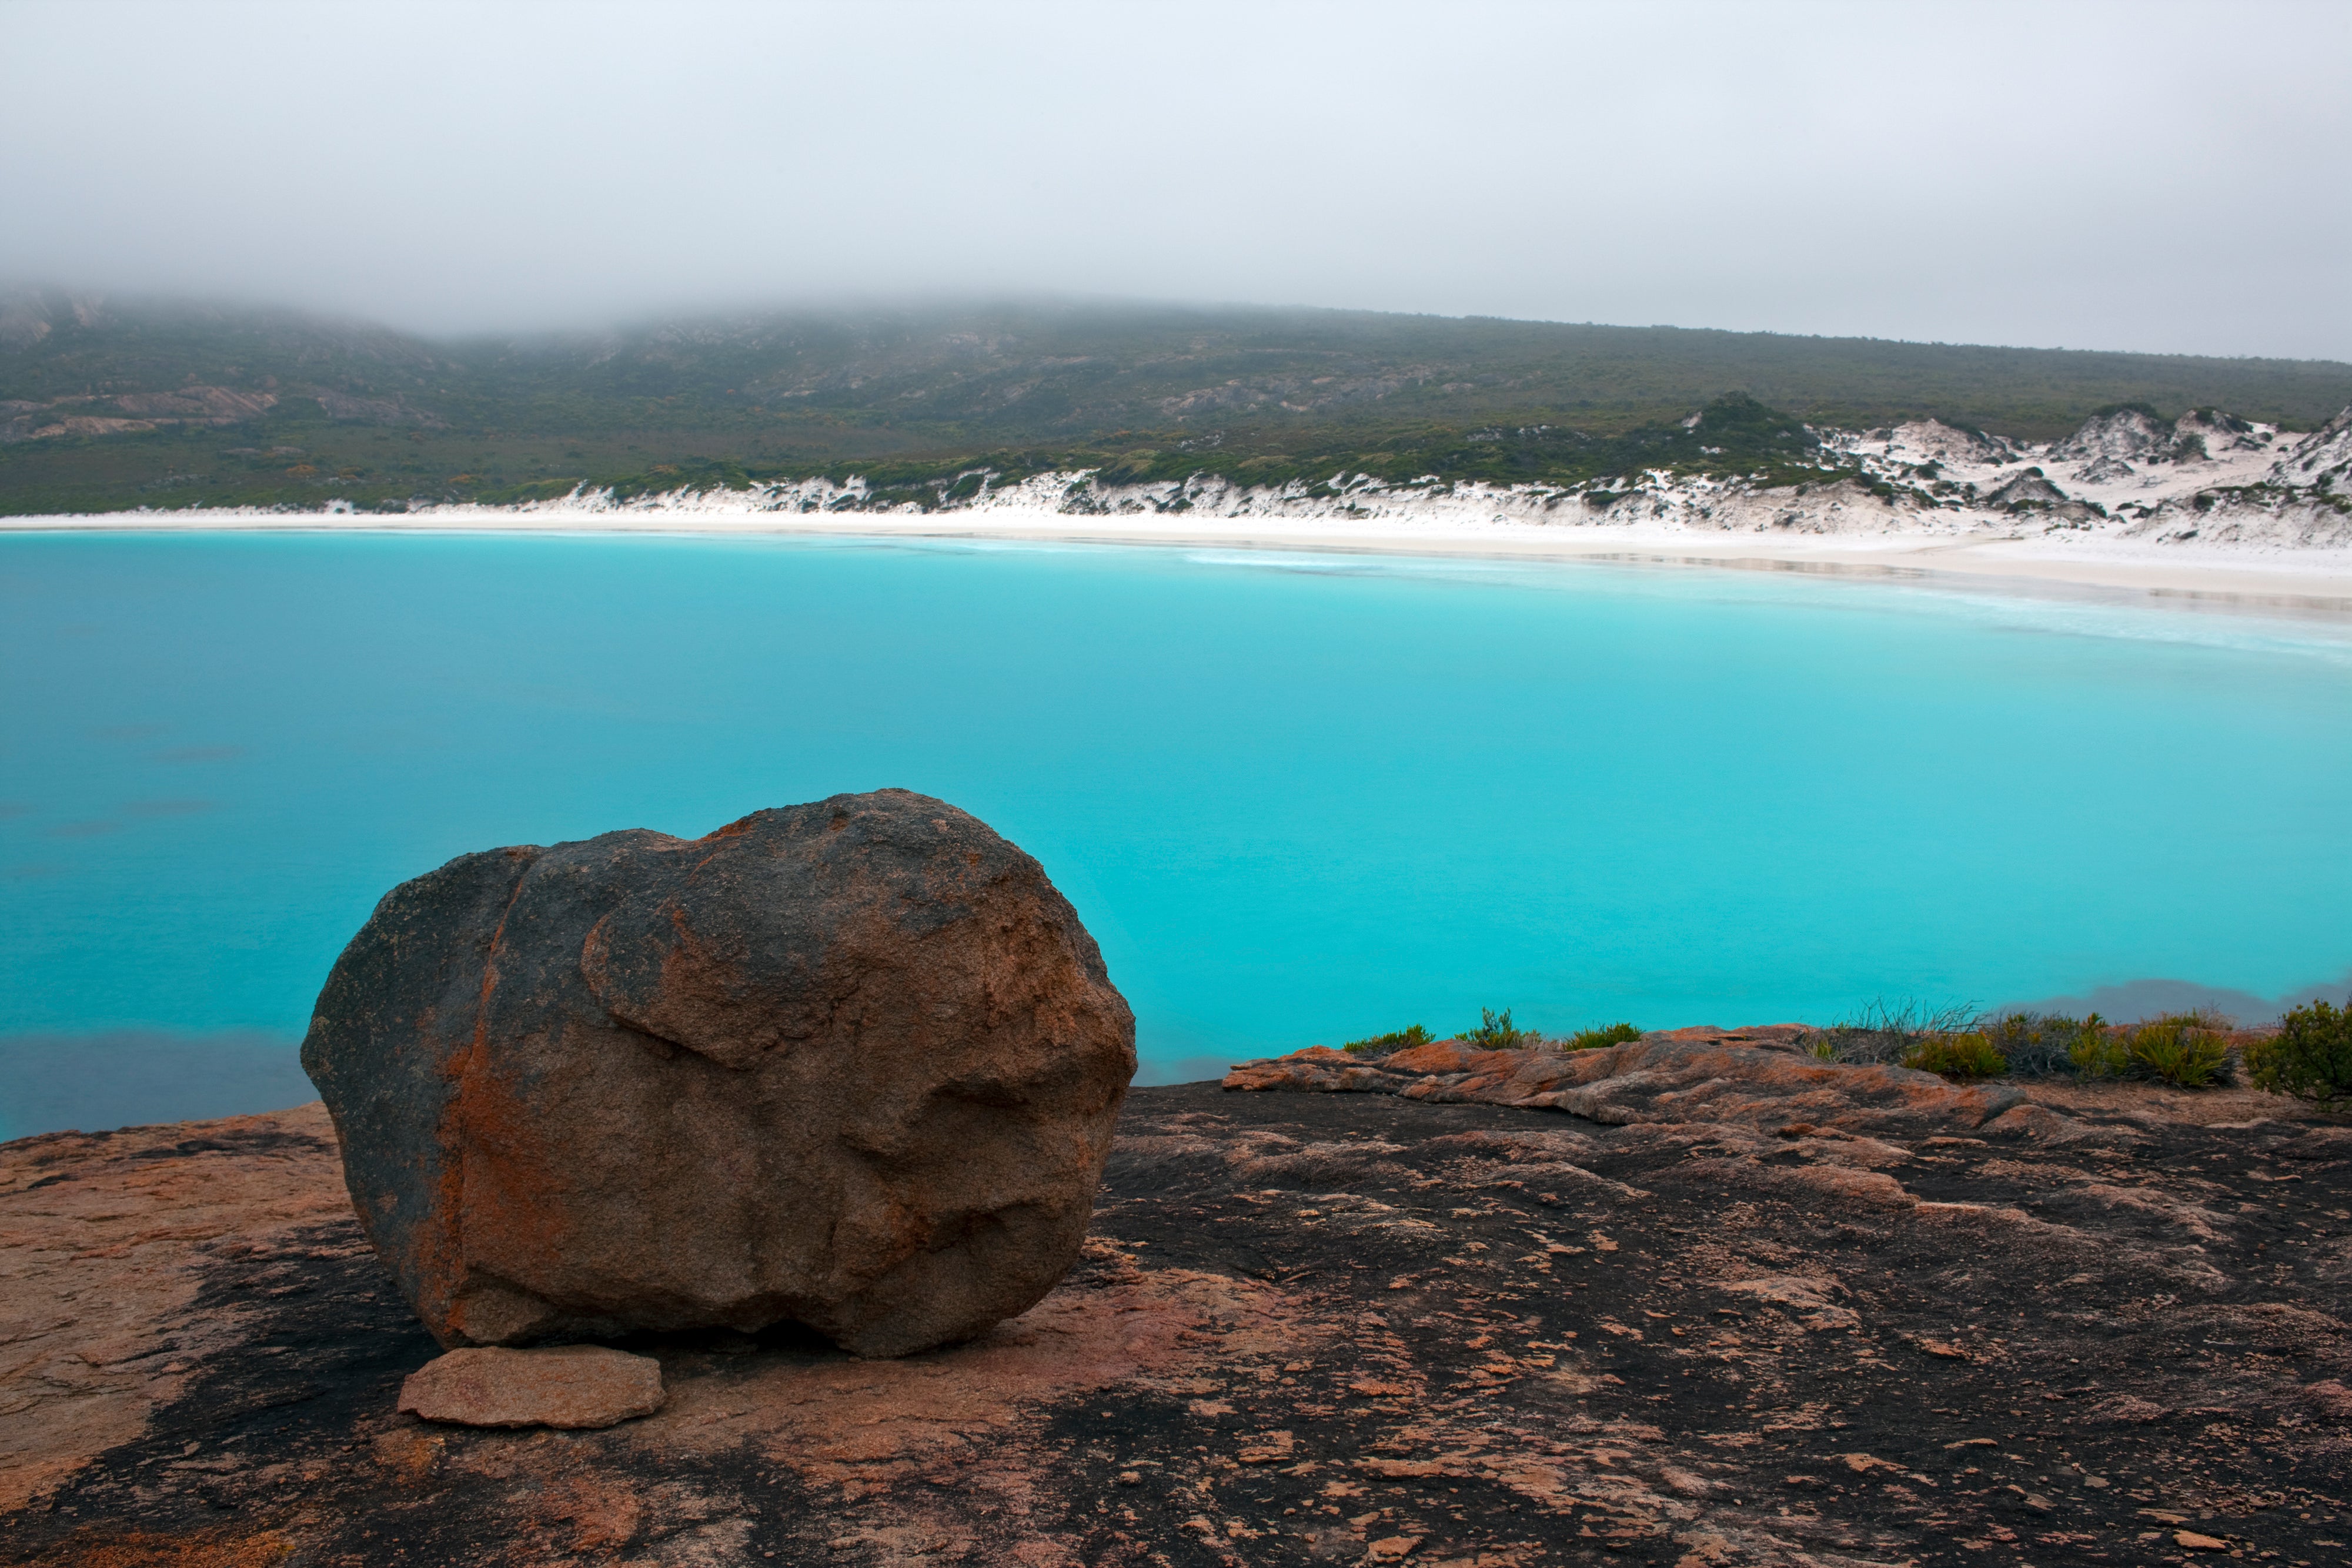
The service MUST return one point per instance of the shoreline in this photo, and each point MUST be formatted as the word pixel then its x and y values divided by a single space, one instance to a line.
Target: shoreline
pixel 2299 582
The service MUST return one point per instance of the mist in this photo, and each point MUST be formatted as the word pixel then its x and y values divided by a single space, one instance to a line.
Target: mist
pixel 2141 176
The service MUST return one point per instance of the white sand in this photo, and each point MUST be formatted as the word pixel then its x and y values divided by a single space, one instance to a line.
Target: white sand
pixel 2314 582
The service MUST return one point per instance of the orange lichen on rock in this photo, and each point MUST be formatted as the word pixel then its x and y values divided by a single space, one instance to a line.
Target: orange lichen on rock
pixel 852 1064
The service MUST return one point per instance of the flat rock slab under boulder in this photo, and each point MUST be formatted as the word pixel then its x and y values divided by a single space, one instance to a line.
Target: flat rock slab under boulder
pixel 852 1064
pixel 571 1385
pixel 1304 1326
pixel 1755 1077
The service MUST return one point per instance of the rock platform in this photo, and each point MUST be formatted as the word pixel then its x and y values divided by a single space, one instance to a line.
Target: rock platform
pixel 2106 1326
pixel 1753 1077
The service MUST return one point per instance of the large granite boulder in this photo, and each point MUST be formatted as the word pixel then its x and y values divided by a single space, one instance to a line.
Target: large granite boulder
pixel 851 1064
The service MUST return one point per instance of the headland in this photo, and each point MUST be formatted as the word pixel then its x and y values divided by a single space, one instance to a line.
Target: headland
pixel 2065 1323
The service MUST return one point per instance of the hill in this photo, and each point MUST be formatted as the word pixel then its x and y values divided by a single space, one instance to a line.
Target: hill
pixel 107 404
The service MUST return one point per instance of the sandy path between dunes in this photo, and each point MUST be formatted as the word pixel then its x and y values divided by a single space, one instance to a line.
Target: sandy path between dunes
pixel 2313 583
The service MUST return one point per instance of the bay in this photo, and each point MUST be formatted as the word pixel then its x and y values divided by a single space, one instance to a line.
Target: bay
pixel 1296 798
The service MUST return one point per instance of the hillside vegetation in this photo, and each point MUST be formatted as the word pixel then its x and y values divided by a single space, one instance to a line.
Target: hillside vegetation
pixel 107 404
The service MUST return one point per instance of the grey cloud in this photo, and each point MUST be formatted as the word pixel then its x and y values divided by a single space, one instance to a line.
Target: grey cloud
pixel 2147 175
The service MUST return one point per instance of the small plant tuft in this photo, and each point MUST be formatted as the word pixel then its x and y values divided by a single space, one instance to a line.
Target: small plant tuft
pixel 2310 1056
pixel 1383 1045
pixel 2101 1050
pixel 2188 1051
pixel 1496 1033
pixel 1594 1038
pixel 1959 1056
pixel 1883 1034
pixel 2038 1045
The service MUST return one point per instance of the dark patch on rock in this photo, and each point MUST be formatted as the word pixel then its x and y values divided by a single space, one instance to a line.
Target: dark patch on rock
pixel 1312 1328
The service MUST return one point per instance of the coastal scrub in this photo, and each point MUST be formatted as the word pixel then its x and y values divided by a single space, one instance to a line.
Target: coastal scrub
pixel 1383 1045
pixel 2310 1056
pixel 2188 1051
pixel 1496 1031
pixel 1959 1056
pixel 2040 1045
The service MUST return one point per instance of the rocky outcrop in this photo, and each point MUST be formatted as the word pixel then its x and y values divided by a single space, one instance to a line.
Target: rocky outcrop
pixel 2203 432
pixel 1933 440
pixel 1307 1330
pixel 1753 1077
pixel 2105 471
pixel 573 1386
pixel 2133 435
pixel 1842 507
pixel 210 406
pixel 2122 435
pixel 2321 460
pixel 95 417
pixel 2261 515
pixel 851 1064
pixel 2029 488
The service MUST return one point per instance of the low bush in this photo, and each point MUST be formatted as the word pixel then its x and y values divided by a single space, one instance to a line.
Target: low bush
pixel 2188 1051
pixel 1381 1044
pixel 1957 1056
pixel 1594 1038
pixel 2102 1050
pixel 1496 1033
pixel 2038 1045
pixel 2310 1056
pixel 1881 1035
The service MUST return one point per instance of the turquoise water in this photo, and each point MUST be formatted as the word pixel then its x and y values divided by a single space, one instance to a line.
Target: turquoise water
pixel 1296 799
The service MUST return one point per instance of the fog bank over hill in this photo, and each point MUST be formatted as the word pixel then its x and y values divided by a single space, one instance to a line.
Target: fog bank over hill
pixel 109 401
pixel 2154 176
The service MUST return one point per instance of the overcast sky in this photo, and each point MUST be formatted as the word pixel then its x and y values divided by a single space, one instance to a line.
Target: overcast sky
pixel 2144 175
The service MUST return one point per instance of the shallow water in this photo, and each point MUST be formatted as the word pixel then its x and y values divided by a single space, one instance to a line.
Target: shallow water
pixel 1297 799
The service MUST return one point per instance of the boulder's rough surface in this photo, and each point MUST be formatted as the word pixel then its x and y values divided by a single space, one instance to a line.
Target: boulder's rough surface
pixel 1754 1076
pixel 571 1386
pixel 852 1064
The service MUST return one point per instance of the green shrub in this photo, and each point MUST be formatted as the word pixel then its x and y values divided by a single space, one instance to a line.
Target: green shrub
pixel 1957 1056
pixel 1881 1034
pixel 2188 1051
pixel 2101 1051
pixel 1381 1044
pixel 1496 1033
pixel 2038 1045
pixel 2309 1058
pixel 1593 1039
